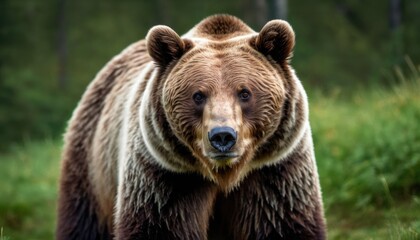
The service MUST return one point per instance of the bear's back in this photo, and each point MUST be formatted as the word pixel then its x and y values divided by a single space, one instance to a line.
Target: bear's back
pixel 91 141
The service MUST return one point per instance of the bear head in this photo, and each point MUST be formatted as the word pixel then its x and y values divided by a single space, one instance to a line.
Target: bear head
pixel 223 90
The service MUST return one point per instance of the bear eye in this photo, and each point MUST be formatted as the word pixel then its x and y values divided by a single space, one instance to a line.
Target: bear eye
pixel 199 98
pixel 244 95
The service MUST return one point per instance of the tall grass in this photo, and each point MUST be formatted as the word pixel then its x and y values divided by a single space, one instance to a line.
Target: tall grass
pixel 397 229
pixel 28 190
pixel 368 155
pixel 1 235
pixel 375 135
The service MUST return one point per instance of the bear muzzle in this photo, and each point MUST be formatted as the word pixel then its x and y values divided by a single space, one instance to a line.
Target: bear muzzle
pixel 223 139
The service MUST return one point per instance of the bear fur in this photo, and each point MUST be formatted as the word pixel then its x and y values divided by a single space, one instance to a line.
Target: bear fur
pixel 204 136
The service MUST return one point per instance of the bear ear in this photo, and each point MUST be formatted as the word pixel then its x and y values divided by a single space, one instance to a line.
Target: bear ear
pixel 276 39
pixel 164 45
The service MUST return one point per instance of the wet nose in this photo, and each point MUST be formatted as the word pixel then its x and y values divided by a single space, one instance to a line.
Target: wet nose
pixel 222 138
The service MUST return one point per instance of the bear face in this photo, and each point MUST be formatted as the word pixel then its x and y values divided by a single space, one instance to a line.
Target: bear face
pixel 223 93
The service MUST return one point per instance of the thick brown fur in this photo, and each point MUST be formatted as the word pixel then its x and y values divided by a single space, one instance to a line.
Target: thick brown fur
pixel 138 162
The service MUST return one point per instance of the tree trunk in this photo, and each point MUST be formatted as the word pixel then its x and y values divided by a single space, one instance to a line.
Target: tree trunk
pixel 62 44
pixel 396 31
pixel 394 14
pixel 163 13
pixel 260 12
pixel 277 9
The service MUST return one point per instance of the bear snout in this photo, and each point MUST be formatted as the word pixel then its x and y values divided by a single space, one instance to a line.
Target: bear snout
pixel 222 138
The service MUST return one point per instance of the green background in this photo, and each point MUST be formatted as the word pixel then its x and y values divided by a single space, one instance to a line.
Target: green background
pixel 359 65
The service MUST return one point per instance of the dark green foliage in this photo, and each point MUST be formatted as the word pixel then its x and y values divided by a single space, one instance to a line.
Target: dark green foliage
pixel 28 189
pixel 367 142
pixel 339 43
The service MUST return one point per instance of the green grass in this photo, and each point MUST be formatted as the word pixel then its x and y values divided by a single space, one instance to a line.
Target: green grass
pixel 372 137
pixel 28 191
pixel 368 155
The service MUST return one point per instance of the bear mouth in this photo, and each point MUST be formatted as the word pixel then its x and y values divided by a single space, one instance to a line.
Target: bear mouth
pixel 223 157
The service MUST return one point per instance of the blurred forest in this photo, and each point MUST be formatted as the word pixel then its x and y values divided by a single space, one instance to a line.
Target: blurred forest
pixel 51 49
pixel 358 60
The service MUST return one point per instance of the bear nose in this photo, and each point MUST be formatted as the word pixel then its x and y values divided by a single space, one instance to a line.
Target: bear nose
pixel 222 138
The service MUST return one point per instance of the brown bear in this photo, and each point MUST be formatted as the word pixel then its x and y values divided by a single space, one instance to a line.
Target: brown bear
pixel 204 136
